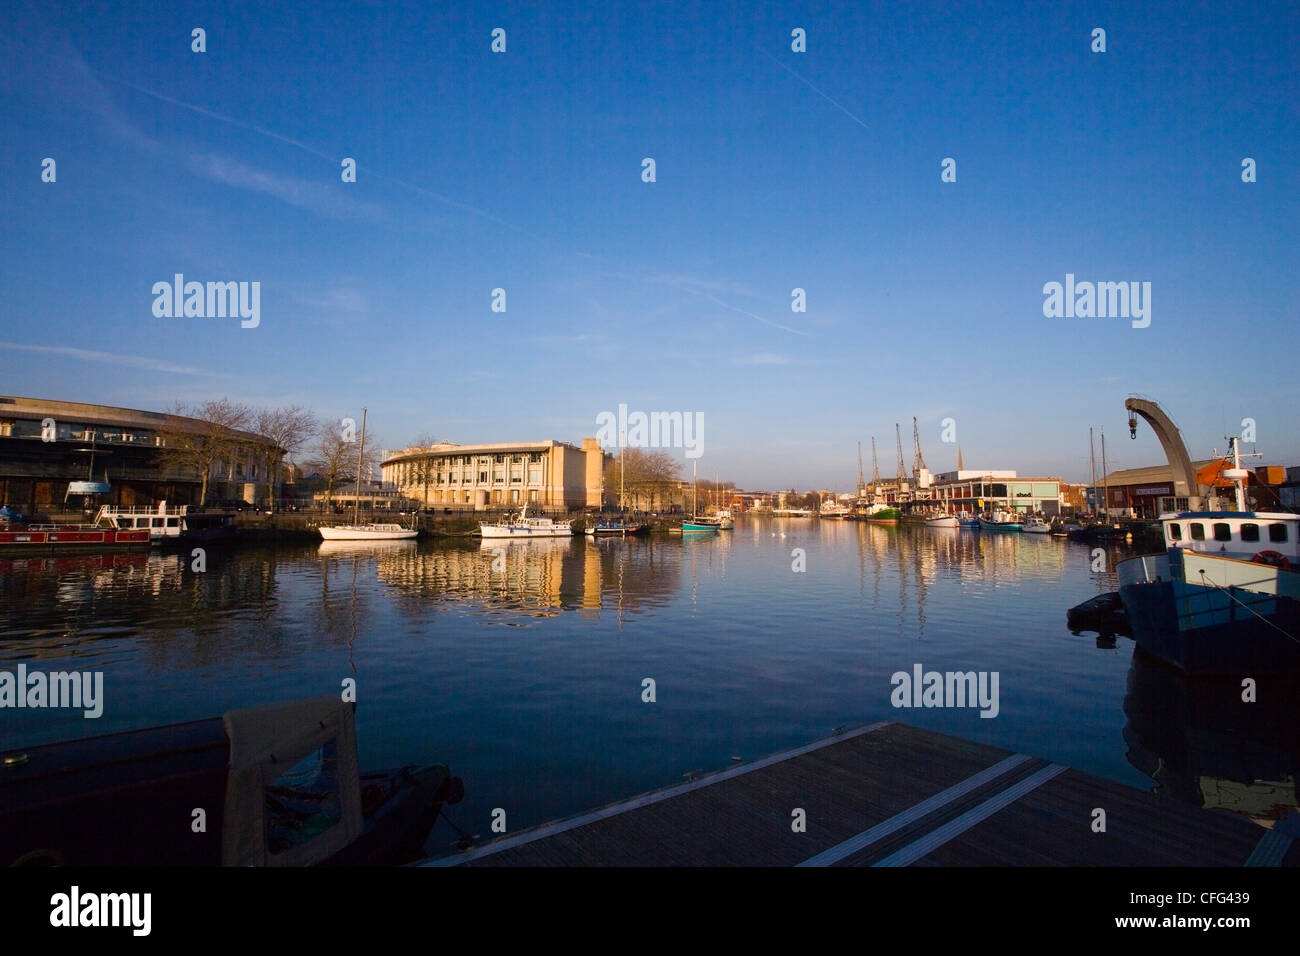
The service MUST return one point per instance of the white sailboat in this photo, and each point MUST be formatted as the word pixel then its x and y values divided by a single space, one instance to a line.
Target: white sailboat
pixel 364 532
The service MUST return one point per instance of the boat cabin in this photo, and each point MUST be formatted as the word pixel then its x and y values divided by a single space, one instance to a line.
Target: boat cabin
pixel 1242 534
pixel 162 522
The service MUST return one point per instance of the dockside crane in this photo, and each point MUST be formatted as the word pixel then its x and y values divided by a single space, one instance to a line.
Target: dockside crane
pixel 862 484
pixel 875 471
pixel 918 463
pixel 902 474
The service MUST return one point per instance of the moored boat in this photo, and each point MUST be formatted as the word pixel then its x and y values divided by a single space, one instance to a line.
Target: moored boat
pixel 699 525
pixel 607 527
pixel 882 514
pixel 522 526
pixel 366 532
pixel 1035 525
pixel 1001 521
pixel 942 521
pixel 1224 596
pixel 47 538
pixel 280 782
pixel 176 524
pixel 357 531
pixel 833 510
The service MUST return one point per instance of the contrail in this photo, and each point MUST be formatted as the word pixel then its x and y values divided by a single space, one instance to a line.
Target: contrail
pixel 716 301
pixel 814 89
pixel 289 141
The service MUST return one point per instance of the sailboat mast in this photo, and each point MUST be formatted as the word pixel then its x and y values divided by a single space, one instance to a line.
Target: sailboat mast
pixel 361 452
pixel 1105 485
pixel 1092 464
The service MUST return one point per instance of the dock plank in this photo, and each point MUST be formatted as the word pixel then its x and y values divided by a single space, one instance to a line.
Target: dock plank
pixel 876 777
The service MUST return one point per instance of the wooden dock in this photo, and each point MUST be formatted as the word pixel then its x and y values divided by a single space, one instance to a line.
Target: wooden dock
pixel 893 795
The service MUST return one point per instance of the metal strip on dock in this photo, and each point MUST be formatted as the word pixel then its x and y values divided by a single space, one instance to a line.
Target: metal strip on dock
pixel 915 813
pixel 937 838
pixel 1269 851
pixel 645 800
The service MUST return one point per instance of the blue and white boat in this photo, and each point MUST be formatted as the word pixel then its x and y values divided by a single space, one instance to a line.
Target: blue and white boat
pixel 1225 595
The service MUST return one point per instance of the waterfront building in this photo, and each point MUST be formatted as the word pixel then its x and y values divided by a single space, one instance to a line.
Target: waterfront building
pixel 976 491
pixel 1149 492
pixel 46 444
pixel 544 474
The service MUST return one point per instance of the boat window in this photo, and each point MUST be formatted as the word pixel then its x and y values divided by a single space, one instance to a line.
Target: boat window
pixel 157 523
pixel 1277 532
pixel 304 801
pixel 1249 532
pixel 1175 532
pixel 1198 531
pixel 1222 531
pixel 173 522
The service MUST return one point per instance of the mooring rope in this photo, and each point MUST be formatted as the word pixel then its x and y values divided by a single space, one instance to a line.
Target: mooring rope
pixel 1232 597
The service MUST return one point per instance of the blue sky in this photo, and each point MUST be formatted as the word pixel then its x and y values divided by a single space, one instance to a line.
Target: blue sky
pixel 775 170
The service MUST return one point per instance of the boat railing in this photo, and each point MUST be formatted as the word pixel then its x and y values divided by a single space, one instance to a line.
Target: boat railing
pixel 65 527
pixel 170 510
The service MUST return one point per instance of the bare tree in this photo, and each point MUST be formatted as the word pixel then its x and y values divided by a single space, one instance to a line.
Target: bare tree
pixel 208 437
pixel 335 458
pixel 286 430
pixel 646 476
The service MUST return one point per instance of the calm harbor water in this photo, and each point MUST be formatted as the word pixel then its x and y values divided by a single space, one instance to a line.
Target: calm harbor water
pixel 521 665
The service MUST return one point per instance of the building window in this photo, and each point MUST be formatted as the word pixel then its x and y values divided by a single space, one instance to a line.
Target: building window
pixel 1222 531
pixel 482 477
pixel 534 476
pixel 534 456
pixel 1198 531
pixel 1277 533
pixel 1249 532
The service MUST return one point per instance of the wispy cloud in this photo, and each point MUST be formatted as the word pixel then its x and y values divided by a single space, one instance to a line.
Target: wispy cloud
pixel 771 358
pixel 311 195
pixel 332 301
pixel 86 355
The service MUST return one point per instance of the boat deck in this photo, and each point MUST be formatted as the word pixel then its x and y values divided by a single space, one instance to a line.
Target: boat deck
pixel 893 795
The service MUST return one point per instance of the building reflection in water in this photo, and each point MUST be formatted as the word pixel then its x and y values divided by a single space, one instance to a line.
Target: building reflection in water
pixel 1202 744
pixel 515 580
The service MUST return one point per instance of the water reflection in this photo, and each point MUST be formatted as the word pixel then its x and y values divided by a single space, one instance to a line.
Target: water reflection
pixel 511 581
pixel 1202 744
pixel 758 658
